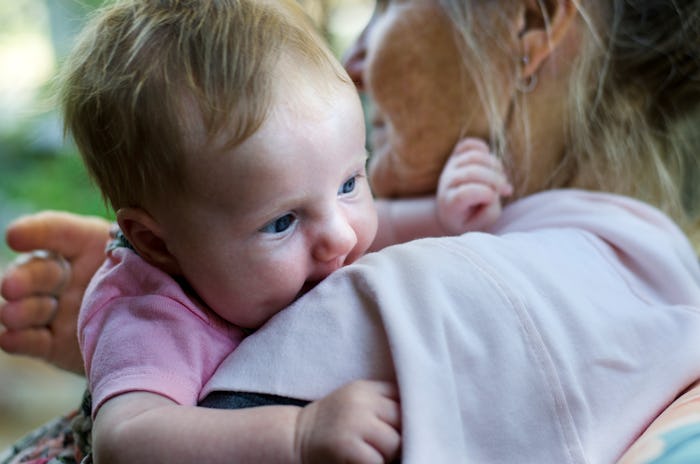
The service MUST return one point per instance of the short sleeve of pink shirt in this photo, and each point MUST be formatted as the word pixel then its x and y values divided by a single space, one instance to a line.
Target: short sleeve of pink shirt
pixel 140 331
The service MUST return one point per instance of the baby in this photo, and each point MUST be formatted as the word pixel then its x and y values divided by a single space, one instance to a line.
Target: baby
pixel 230 142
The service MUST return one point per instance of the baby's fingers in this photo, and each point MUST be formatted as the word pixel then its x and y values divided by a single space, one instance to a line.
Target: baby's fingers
pixel 386 435
pixel 385 441
pixel 477 174
pixel 383 434
pixel 472 162
pixel 475 158
pixel 471 144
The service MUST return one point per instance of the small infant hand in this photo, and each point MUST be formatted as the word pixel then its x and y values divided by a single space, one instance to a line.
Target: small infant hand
pixel 358 423
pixel 470 188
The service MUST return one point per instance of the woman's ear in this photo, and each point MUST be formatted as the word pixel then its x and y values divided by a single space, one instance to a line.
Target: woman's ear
pixel 145 235
pixel 543 24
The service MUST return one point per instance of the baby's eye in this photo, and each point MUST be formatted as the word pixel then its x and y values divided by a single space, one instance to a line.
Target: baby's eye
pixel 279 225
pixel 347 187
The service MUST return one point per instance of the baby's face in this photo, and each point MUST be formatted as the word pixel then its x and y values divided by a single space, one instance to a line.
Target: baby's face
pixel 270 218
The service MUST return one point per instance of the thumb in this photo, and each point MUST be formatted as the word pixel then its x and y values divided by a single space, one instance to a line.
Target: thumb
pixel 64 233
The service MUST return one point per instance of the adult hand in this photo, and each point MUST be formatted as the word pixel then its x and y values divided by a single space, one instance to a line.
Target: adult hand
pixel 43 291
pixel 358 423
pixel 470 188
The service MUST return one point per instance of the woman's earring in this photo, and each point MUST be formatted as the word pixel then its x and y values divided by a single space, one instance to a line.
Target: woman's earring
pixel 529 83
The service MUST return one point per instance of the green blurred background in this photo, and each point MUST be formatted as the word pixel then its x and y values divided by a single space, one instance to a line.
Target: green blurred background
pixel 40 170
pixel 37 169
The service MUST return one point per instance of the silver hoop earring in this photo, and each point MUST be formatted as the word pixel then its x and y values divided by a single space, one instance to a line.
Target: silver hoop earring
pixel 529 83
pixel 526 85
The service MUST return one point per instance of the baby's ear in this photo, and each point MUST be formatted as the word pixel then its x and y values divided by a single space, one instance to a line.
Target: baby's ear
pixel 145 235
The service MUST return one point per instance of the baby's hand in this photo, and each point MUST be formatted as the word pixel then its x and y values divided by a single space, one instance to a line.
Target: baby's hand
pixel 358 423
pixel 470 188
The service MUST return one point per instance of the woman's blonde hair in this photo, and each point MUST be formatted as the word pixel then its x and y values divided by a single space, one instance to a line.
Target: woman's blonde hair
pixel 634 117
pixel 152 81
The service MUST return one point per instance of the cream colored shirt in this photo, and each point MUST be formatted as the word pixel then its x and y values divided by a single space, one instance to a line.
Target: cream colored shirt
pixel 555 339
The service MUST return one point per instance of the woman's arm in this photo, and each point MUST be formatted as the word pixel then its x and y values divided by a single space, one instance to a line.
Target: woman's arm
pixel 39 318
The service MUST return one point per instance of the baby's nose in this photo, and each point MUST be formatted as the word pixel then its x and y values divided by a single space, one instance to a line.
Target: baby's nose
pixel 336 239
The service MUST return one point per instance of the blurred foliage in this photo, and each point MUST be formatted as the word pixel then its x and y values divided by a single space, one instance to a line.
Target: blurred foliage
pixel 38 170
pixel 34 177
pixel 48 178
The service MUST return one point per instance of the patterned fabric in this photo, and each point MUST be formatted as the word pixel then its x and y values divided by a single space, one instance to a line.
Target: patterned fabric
pixel 674 437
pixel 64 440
pixel 118 240
pixel 681 446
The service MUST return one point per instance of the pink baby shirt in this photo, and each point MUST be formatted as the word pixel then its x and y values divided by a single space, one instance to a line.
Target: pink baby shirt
pixel 140 331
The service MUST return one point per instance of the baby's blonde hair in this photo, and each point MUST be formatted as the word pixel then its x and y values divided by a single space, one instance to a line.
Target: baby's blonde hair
pixel 634 99
pixel 153 81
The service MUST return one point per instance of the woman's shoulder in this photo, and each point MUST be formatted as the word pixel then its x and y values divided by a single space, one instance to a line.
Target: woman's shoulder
pixel 558 238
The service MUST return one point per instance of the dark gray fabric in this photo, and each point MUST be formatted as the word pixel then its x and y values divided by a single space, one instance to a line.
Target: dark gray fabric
pixel 240 400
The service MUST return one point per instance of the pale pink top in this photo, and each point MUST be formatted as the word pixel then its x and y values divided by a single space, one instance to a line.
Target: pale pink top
pixel 139 331
pixel 556 339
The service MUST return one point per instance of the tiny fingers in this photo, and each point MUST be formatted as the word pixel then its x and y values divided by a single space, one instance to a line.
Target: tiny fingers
pixel 389 410
pixel 472 162
pixel 384 435
pixel 470 195
pixel 386 442
pixel 478 174
pixel 468 207
pixel 387 439
pixel 471 144
pixel 476 158
pixel 470 187
pixel 388 389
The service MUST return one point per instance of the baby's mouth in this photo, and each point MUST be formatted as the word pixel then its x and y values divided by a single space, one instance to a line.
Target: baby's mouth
pixel 308 285
pixel 322 273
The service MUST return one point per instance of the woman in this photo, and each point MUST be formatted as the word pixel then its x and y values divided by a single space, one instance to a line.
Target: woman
pixel 600 96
